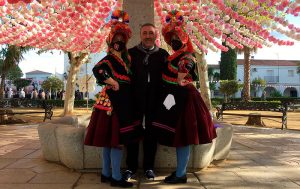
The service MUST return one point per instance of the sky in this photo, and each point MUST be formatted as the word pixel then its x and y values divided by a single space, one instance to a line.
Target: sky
pixel 46 62
pixel 49 62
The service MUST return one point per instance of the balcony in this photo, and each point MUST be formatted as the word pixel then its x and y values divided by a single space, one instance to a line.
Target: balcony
pixel 271 79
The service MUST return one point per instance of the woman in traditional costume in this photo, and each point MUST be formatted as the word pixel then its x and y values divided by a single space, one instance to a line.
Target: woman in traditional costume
pixel 183 118
pixel 112 124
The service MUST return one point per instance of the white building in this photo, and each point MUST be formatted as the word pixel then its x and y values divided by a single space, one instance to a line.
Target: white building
pixel 38 77
pixel 85 69
pixel 280 75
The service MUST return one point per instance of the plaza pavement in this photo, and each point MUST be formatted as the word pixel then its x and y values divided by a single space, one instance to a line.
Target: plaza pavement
pixel 260 158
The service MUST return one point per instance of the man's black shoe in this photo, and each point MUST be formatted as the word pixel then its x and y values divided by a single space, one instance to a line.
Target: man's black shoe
pixel 173 179
pixel 121 183
pixel 149 174
pixel 127 175
pixel 105 179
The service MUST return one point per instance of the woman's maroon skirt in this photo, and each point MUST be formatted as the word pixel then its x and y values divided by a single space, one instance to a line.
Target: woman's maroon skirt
pixel 188 122
pixel 103 130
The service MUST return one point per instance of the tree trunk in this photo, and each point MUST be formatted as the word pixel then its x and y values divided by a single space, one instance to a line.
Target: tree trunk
pixel 75 62
pixel 225 98
pixel 2 86
pixel 203 79
pixel 246 94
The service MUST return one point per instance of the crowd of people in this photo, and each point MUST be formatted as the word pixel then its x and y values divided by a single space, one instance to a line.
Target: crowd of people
pixel 39 94
pixel 149 97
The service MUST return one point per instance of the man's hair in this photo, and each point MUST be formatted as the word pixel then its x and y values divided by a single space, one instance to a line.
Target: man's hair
pixel 147 24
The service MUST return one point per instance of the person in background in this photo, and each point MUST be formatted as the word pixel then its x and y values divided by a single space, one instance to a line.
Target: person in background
pixel 43 95
pixel 264 96
pixel 182 118
pixel 10 93
pixel 48 95
pixel 147 62
pixel 112 123
pixel 34 94
pixel 63 95
pixel 22 93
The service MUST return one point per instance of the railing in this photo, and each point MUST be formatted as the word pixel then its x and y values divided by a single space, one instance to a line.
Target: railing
pixel 271 79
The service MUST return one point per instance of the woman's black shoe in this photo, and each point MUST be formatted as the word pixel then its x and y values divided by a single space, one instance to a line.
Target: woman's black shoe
pixel 121 183
pixel 105 179
pixel 173 179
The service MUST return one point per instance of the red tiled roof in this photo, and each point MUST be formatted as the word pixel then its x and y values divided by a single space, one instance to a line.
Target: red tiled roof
pixel 270 62
pixel 38 72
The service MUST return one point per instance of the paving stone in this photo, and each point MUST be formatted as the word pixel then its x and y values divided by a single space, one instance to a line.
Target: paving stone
pixel 48 167
pixel 17 154
pixel 15 176
pixel 4 142
pixel 297 182
pixel 34 145
pixel 273 184
pixel 36 186
pixel 213 174
pixel 265 175
pixel 224 184
pixel 159 182
pixel 25 163
pixel 171 186
pixel 97 186
pixel 89 178
pixel 6 161
pixel 9 148
pixel 291 173
pixel 38 154
pixel 56 177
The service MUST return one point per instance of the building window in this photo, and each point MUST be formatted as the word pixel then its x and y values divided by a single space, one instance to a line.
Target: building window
pixel 254 69
pixel 291 73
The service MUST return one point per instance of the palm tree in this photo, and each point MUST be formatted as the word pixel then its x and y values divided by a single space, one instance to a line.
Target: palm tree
pixel 247 62
pixel 11 56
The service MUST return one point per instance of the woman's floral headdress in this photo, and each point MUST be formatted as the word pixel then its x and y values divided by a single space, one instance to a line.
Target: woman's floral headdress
pixel 174 23
pixel 119 25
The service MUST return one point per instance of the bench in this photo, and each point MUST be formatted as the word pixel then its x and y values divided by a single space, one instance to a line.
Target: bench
pixel 47 111
pixel 255 106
